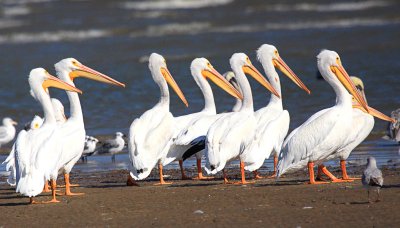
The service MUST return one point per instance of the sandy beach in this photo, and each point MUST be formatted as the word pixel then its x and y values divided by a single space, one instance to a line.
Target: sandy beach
pixel 287 203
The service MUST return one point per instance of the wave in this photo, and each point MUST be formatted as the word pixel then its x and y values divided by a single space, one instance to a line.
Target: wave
pixel 174 4
pixel 344 23
pixel 343 6
pixel 10 11
pixel 174 29
pixel 53 36
pixel 19 2
pixel 8 23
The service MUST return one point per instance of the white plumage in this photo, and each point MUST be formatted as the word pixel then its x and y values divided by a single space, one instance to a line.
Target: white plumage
pixel 231 135
pixel 272 120
pixel 73 130
pixel 150 135
pixel 37 151
pixel 201 69
pixel 7 131
pixel 324 132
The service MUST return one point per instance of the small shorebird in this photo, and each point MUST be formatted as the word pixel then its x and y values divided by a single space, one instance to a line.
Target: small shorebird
pixel 7 131
pixel 113 146
pixel 372 177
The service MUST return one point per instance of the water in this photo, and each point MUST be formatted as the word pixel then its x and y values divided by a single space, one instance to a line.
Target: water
pixel 115 37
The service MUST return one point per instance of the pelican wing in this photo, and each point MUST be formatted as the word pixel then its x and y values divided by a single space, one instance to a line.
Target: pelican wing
pixel 312 136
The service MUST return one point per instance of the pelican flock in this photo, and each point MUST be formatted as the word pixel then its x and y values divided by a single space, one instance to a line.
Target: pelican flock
pixel 50 146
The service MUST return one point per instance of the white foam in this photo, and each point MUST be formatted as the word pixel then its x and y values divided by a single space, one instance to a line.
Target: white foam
pixel 173 4
pixel 174 29
pixel 344 23
pixel 8 23
pixel 53 36
pixel 10 11
pixel 19 2
pixel 342 6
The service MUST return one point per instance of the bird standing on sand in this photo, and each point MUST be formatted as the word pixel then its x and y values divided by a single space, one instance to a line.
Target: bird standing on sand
pixel 324 132
pixel 372 177
pixel 113 146
pixel 272 120
pixel 362 125
pixel 201 70
pixel 73 130
pixel 38 151
pixel 90 147
pixel 150 134
pixel 231 135
pixel 7 131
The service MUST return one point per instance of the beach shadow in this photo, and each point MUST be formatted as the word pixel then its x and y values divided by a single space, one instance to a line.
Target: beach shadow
pixel 194 184
pixel 107 186
pixel 14 204
pixel 358 203
pixel 391 186
pixel 10 197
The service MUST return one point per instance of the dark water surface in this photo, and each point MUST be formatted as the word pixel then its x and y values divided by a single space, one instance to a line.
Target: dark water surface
pixel 116 37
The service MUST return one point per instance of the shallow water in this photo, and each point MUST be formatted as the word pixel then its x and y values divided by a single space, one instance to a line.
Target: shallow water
pixel 116 37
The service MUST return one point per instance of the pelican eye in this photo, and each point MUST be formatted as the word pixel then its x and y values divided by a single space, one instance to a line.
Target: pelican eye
pixel 209 65
pixel 276 52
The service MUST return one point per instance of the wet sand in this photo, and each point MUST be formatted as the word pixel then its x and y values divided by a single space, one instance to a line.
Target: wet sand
pixel 289 203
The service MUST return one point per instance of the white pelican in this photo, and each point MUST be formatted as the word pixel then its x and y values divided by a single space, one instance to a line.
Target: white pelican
pixel 362 125
pixel 231 135
pixel 272 120
pixel 150 134
pixel 58 110
pixel 201 70
pixel 7 131
pixel 38 151
pixel 73 130
pixel 230 77
pixel 113 146
pixel 324 132
pixel 36 122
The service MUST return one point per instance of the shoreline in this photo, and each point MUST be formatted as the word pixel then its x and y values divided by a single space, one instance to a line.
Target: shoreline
pixel 288 202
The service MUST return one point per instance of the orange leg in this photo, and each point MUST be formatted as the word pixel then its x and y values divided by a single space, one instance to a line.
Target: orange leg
pixel 226 181
pixel 273 175
pixel 344 171
pixel 319 174
pixel 311 174
pixel 131 181
pixel 68 187
pixel 243 181
pixel 46 187
pixel 200 172
pixel 160 170
pixel 184 177
pixel 53 192
pixel 334 179
pixel 257 175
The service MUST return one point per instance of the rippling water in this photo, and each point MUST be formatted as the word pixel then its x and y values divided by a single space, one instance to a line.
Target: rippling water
pixel 116 37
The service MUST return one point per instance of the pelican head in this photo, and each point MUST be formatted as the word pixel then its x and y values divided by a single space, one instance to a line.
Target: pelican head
pixel 269 57
pixel 202 69
pixel 36 122
pixel 9 122
pixel 160 73
pixel 360 87
pixel 40 80
pixel 330 66
pixel 75 69
pixel 241 62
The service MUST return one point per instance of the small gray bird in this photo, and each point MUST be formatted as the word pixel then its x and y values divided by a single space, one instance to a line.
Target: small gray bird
pixel 372 177
pixel 113 146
